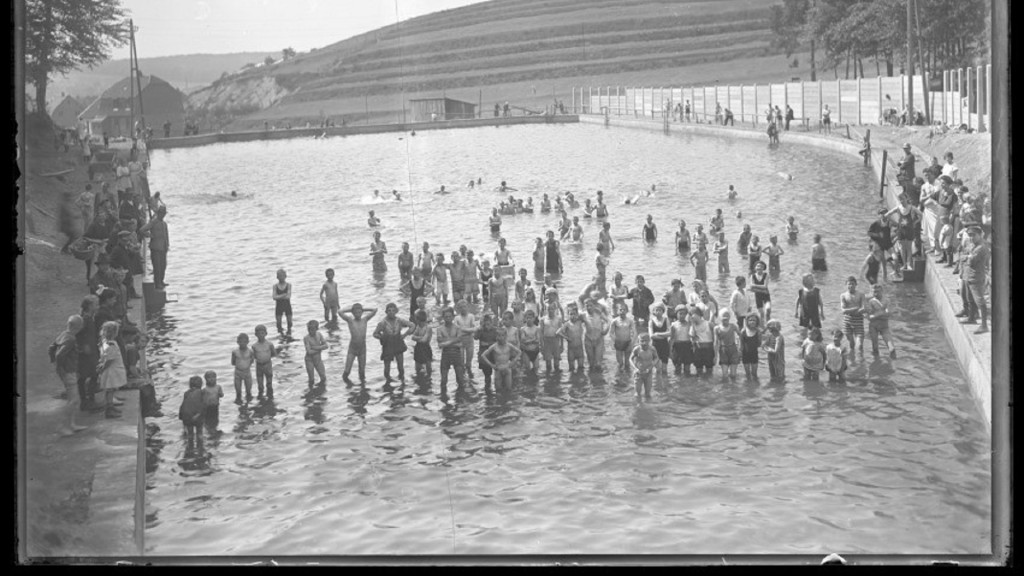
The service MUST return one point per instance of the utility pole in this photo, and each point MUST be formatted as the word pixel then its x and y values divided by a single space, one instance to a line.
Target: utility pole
pixel 920 57
pixel 134 57
pixel 910 63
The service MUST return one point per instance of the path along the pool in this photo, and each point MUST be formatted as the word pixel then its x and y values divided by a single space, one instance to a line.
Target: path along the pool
pixel 81 495
pixel 973 156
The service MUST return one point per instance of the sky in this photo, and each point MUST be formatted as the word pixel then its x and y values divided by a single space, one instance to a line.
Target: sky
pixel 169 28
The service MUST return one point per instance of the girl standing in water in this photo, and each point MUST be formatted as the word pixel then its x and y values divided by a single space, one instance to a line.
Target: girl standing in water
pixel 392 340
pixel 553 255
pixel 418 287
pixel 422 354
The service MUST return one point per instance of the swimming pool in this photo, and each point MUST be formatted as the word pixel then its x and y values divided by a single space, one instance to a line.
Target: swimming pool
pixel 897 461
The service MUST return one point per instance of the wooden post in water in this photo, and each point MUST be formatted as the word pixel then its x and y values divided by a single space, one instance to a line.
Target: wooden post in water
pixel 885 162
pixel 867 146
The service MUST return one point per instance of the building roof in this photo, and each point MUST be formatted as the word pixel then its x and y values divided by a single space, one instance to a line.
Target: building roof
pixel 445 98
pixel 107 104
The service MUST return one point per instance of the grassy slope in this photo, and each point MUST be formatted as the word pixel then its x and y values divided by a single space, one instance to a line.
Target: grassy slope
pixel 527 52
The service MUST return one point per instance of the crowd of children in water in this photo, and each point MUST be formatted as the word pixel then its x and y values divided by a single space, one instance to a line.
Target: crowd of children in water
pixel 523 325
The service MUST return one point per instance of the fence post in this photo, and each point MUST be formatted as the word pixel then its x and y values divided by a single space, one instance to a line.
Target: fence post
pixel 803 101
pixel 839 104
pixel 960 95
pixel 820 103
pixel 978 99
pixel 859 112
pixel 969 123
pixel 903 92
pixel 756 109
pixel 988 97
pixel 881 111
pixel 590 99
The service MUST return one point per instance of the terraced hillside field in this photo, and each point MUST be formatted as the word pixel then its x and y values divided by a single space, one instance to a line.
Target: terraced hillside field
pixel 528 52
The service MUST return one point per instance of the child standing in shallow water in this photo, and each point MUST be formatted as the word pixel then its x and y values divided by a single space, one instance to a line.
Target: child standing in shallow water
pixel 357 319
pixel 750 341
pixel 422 354
pixel 643 359
pixel 241 359
pixel 212 394
pixel 809 308
pixel 812 352
pixel 835 358
pixel 191 411
pixel 791 229
pixel 774 251
pixel 818 255
pixel 775 346
pixel 264 352
pixel 315 345
pixel 727 336
pixel 329 297
pixel 722 249
pixel 700 262
pixel 282 294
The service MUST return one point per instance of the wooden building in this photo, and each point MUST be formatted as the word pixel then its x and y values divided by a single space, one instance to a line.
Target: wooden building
pixel 444 108
pixel 112 111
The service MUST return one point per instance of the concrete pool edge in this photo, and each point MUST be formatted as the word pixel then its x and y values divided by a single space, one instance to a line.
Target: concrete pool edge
pixel 252 135
pixel 977 373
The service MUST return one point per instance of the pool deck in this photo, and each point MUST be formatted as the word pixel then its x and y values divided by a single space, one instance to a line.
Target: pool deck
pixel 83 495
pixel 973 351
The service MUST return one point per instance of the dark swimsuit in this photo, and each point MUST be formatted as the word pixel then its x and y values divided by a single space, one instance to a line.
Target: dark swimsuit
pixel 553 263
pixel 661 345
pixel 282 306
pixel 414 294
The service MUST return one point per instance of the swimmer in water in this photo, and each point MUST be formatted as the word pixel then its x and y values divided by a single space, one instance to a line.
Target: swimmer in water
pixel 441 191
pixel 234 193
pixel 376 194
pixel 372 221
pixel 650 192
pixel 397 196
pixel 732 192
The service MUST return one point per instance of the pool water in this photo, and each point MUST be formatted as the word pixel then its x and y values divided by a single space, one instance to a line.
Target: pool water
pixel 894 462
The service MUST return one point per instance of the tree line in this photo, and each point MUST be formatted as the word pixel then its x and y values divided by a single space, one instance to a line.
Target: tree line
pixel 844 33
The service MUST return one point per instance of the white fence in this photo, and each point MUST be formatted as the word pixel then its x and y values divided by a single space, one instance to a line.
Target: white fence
pixel 965 98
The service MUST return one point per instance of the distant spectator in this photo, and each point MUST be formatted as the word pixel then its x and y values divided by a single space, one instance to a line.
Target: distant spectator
pixel 934 168
pixel 950 169
pixel 88 352
pixel 728 118
pixel 159 244
pixel 507 109
pixel 111 367
pixel 71 224
pixel 497 109
pixel 905 175
pixel 975 272
pixel 167 129
pixel 789 116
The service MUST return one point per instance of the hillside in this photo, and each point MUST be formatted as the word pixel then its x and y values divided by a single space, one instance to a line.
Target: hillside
pixel 524 51
pixel 185 73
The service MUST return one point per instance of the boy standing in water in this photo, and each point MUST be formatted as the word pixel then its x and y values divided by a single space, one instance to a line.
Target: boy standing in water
pixel 722 249
pixel 440 281
pixel 812 352
pixel 503 354
pixel 572 331
pixel 878 321
pixel 643 359
pixel 596 327
pixel 449 340
pixel 329 297
pixel 727 338
pixel 212 394
pixel 282 294
pixel 623 334
pixel 315 345
pixel 791 229
pixel 700 262
pixel 853 304
pixel 487 334
pixel 191 412
pixel 835 358
pixel 551 343
pixel 818 255
pixel 682 351
pixel 241 359
pixel 264 351
pixel 405 259
pixel 353 316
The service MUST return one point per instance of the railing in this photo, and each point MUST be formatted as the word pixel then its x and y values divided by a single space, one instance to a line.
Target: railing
pixel 965 98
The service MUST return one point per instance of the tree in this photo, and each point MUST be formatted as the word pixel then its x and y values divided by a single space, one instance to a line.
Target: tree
pixel 268 60
pixel 64 35
pixel 787 21
pixel 287 53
